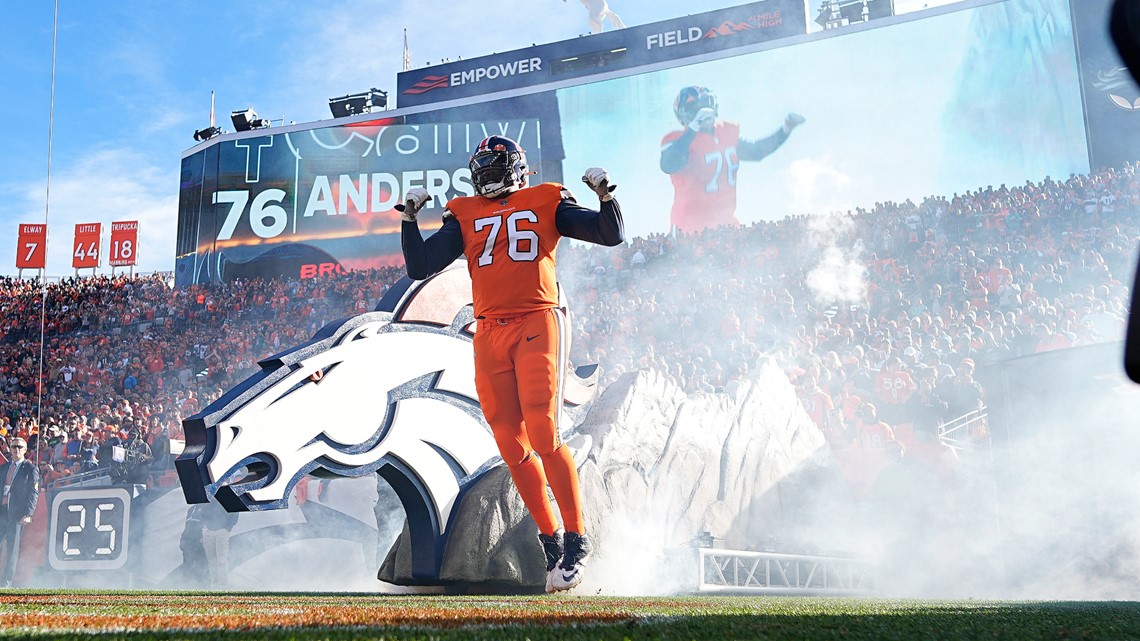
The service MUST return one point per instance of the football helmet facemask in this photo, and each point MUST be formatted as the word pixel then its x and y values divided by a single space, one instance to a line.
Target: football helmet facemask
pixel 691 100
pixel 498 166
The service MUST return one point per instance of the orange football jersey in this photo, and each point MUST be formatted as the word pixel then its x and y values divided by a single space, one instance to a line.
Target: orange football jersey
pixel 705 189
pixel 510 244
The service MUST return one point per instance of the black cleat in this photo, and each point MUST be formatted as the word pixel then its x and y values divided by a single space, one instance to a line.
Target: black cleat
pixel 552 548
pixel 571 569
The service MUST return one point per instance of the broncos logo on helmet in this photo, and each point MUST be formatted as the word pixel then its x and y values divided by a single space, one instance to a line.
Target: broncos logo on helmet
pixel 389 392
pixel 690 100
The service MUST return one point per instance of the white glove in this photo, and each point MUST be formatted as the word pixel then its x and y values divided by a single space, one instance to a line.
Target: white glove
pixel 414 201
pixel 791 121
pixel 704 119
pixel 598 180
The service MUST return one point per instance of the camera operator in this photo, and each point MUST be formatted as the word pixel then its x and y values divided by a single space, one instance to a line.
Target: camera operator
pixel 136 459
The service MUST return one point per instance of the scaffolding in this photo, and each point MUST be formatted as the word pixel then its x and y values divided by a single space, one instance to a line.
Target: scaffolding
pixel 743 572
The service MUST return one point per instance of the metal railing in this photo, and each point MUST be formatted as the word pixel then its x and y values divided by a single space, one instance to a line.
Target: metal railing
pixel 960 432
pixel 97 477
pixel 742 572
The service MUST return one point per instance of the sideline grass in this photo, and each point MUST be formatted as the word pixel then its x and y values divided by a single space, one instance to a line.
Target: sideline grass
pixel 179 615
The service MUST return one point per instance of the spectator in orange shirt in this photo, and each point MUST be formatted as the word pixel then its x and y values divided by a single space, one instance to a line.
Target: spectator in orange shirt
pixel 1048 339
pixel 870 432
pixel 816 402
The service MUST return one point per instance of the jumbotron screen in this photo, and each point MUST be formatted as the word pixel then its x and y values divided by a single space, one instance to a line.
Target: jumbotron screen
pixel 315 201
pixel 933 102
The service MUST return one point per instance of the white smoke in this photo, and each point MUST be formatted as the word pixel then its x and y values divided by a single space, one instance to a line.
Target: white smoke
pixel 334 542
pixel 840 275
pixel 818 184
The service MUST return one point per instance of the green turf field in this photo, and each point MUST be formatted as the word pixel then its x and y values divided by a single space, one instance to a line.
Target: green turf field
pixel 247 616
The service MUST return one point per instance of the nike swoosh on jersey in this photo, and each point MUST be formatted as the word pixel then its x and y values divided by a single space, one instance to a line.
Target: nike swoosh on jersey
pixel 531 338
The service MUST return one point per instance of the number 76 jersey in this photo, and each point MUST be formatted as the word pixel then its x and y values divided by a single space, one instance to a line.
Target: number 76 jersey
pixel 510 243
pixel 705 188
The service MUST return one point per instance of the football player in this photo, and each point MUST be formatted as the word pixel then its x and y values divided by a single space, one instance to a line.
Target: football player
pixel 509 233
pixel 703 157
pixel 600 12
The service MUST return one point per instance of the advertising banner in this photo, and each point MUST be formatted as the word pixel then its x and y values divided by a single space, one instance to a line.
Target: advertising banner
pixel 627 48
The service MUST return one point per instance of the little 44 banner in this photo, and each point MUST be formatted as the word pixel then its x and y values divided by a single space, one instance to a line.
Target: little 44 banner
pixel 85 252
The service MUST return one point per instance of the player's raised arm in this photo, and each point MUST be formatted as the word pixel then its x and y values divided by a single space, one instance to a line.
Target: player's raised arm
pixel 604 227
pixel 675 154
pixel 696 110
pixel 423 258
pixel 758 149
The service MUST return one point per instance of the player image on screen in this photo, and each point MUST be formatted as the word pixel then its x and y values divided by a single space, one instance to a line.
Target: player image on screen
pixel 600 12
pixel 703 157
pixel 509 233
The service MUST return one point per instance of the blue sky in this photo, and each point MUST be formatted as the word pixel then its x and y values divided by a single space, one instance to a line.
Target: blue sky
pixel 133 82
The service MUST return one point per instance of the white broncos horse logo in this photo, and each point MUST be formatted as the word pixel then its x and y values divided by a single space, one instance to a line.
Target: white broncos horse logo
pixel 389 392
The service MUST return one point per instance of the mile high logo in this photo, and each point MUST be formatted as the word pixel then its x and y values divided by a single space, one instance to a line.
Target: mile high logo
pixel 726 28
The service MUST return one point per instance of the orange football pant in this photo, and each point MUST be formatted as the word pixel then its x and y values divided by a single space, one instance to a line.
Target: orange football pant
pixel 520 369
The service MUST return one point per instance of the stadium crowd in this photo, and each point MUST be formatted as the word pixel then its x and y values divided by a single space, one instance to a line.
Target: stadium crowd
pixel 132 353
pixel 879 316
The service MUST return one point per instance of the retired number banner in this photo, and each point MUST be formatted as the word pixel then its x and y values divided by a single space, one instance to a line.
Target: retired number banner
pixel 124 243
pixel 85 251
pixel 31 247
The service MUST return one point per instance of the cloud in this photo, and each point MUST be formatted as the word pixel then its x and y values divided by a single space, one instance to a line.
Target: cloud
pixel 105 186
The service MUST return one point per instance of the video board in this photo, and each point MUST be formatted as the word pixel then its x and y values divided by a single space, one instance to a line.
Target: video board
pixel 321 200
pixel 935 102
pixel 935 105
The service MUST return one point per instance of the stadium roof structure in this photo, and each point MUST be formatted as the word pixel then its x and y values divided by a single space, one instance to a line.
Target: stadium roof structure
pixel 623 52
pixel 619 52
pixel 840 13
